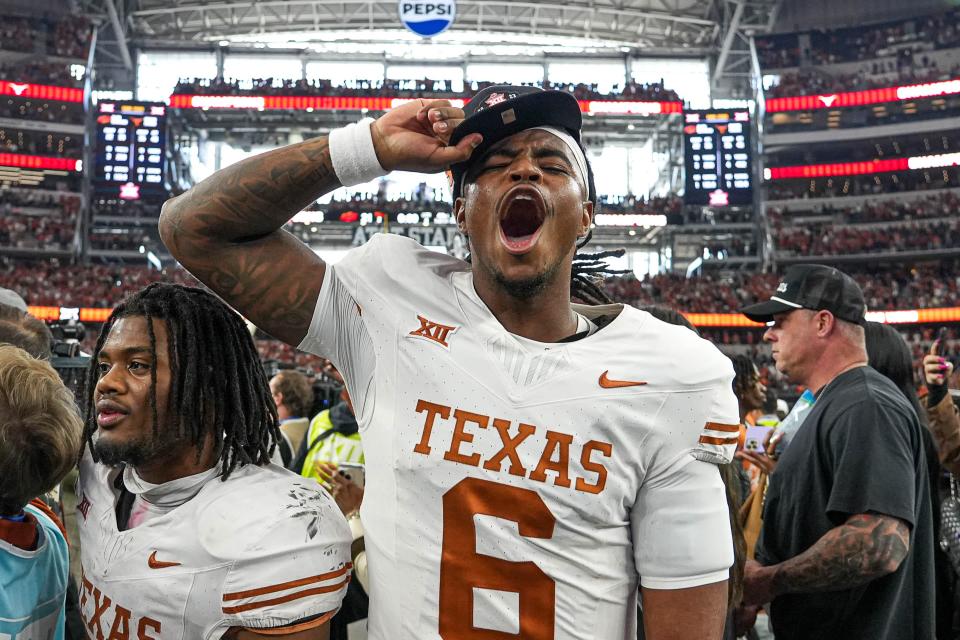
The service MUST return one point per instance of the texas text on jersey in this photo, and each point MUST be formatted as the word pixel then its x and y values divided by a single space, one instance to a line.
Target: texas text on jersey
pixel 264 549
pixel 516 486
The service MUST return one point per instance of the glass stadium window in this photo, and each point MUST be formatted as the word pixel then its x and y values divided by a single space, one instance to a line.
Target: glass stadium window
pixel 610 171
pixel 689 78
pixel 159 71
pixel 607 76
pixel 513 73
pixel 247 68
pixel 412 75
pixel 345 74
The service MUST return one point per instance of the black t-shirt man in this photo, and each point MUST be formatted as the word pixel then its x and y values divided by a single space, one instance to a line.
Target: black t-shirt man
pixel 860 450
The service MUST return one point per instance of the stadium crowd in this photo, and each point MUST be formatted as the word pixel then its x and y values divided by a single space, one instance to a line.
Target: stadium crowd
pixel 937 205
pixel 852 44
pixel 41 110
pixel 65 38
pixel 829 239
pixel 875 75
pixel 56 74
pixel 863 185
pixel 631 91
pixel 40 143
pixel 895 286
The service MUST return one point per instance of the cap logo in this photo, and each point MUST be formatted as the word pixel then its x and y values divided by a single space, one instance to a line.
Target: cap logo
pixel 508 116
pixel 782 287
pixel 495 98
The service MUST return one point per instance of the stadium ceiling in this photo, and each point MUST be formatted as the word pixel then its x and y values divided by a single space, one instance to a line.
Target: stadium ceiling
pixel 718 29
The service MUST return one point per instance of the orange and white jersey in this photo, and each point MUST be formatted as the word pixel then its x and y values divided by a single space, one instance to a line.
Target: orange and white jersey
pixel 264 549
pixel 515 487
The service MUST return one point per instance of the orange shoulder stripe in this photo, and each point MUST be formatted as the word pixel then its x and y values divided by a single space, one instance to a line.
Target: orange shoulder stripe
pixel 287 598
pixel 720 441
pixel 283 586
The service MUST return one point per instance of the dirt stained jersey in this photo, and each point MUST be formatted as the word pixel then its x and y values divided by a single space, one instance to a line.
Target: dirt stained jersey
pixel 514 488
pixel 263 549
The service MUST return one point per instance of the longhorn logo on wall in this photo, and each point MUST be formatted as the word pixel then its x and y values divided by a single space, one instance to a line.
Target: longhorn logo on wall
pixel 427 19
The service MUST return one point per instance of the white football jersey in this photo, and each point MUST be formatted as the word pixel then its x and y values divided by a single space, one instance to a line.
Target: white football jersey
pixel 264 549
pixel 522 489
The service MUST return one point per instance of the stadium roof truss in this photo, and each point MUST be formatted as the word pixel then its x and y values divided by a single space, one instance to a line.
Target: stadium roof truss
pixel 718 29
pixel 651 23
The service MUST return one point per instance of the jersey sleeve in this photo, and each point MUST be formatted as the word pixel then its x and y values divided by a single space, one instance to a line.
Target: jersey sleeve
pixel 680 521
pixel 299 579
pixel 338 330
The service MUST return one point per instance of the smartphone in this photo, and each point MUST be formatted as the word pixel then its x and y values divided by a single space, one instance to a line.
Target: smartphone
pixel 938 343
pixel 356 472
pixel 756 436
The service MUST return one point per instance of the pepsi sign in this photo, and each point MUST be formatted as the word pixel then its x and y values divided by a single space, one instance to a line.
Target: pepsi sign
pixel 427 19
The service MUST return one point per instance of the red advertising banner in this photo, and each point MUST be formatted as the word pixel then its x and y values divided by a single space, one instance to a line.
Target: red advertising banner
pixel 40 162
pixel 40 91
pixel 860 98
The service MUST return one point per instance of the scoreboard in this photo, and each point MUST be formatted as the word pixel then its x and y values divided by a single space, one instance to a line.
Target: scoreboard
pixel 718 157
pixel 131 151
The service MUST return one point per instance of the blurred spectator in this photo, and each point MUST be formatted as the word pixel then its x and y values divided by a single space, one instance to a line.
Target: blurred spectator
pixel 41 433
pixel 293 395
pixel 844 551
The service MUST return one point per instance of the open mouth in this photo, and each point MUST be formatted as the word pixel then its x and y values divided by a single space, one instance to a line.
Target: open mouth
pixel 521 219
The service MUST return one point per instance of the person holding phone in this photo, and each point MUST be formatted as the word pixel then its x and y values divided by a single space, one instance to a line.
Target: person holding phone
pixel 941 411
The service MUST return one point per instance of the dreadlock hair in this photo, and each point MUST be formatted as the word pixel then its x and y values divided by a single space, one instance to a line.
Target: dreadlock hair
pixel 588 271
pixel 217 385
pixel 743 370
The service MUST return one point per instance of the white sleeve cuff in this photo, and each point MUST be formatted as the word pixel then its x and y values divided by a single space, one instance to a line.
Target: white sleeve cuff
pixel 352 154
pixel 685 582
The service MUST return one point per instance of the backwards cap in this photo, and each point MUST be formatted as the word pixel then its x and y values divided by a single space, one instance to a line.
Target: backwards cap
pixel 501 111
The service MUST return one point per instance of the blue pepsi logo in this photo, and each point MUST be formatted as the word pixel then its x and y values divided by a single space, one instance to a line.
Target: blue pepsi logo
pixel 427 18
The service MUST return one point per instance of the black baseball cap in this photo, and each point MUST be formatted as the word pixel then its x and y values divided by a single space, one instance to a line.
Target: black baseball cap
pixel 816 287
pixel 500 111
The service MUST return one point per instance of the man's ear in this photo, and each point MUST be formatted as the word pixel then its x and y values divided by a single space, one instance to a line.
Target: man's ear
pixel 825 323
pixel 586 218
pixel 460 215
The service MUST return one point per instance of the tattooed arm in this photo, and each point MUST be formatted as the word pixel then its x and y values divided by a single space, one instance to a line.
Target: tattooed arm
pixel 865 547
pixel 227 229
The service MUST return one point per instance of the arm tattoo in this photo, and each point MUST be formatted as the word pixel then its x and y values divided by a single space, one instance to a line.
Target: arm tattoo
pixel 867 546
pixel 227 231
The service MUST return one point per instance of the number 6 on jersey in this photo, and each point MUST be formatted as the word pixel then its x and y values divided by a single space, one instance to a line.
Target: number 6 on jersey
pixel 462 569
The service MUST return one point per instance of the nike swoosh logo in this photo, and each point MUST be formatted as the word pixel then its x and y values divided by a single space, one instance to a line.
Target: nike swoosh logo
pixel 153 563
pixel 607 383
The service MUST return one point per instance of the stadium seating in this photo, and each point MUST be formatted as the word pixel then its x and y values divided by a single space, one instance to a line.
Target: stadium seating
pixel 404 89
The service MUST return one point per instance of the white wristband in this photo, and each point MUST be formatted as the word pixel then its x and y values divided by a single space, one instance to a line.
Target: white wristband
pixel 352 154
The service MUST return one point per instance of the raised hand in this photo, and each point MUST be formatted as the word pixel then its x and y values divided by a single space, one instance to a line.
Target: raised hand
pixel 414 136
pixel 936 370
